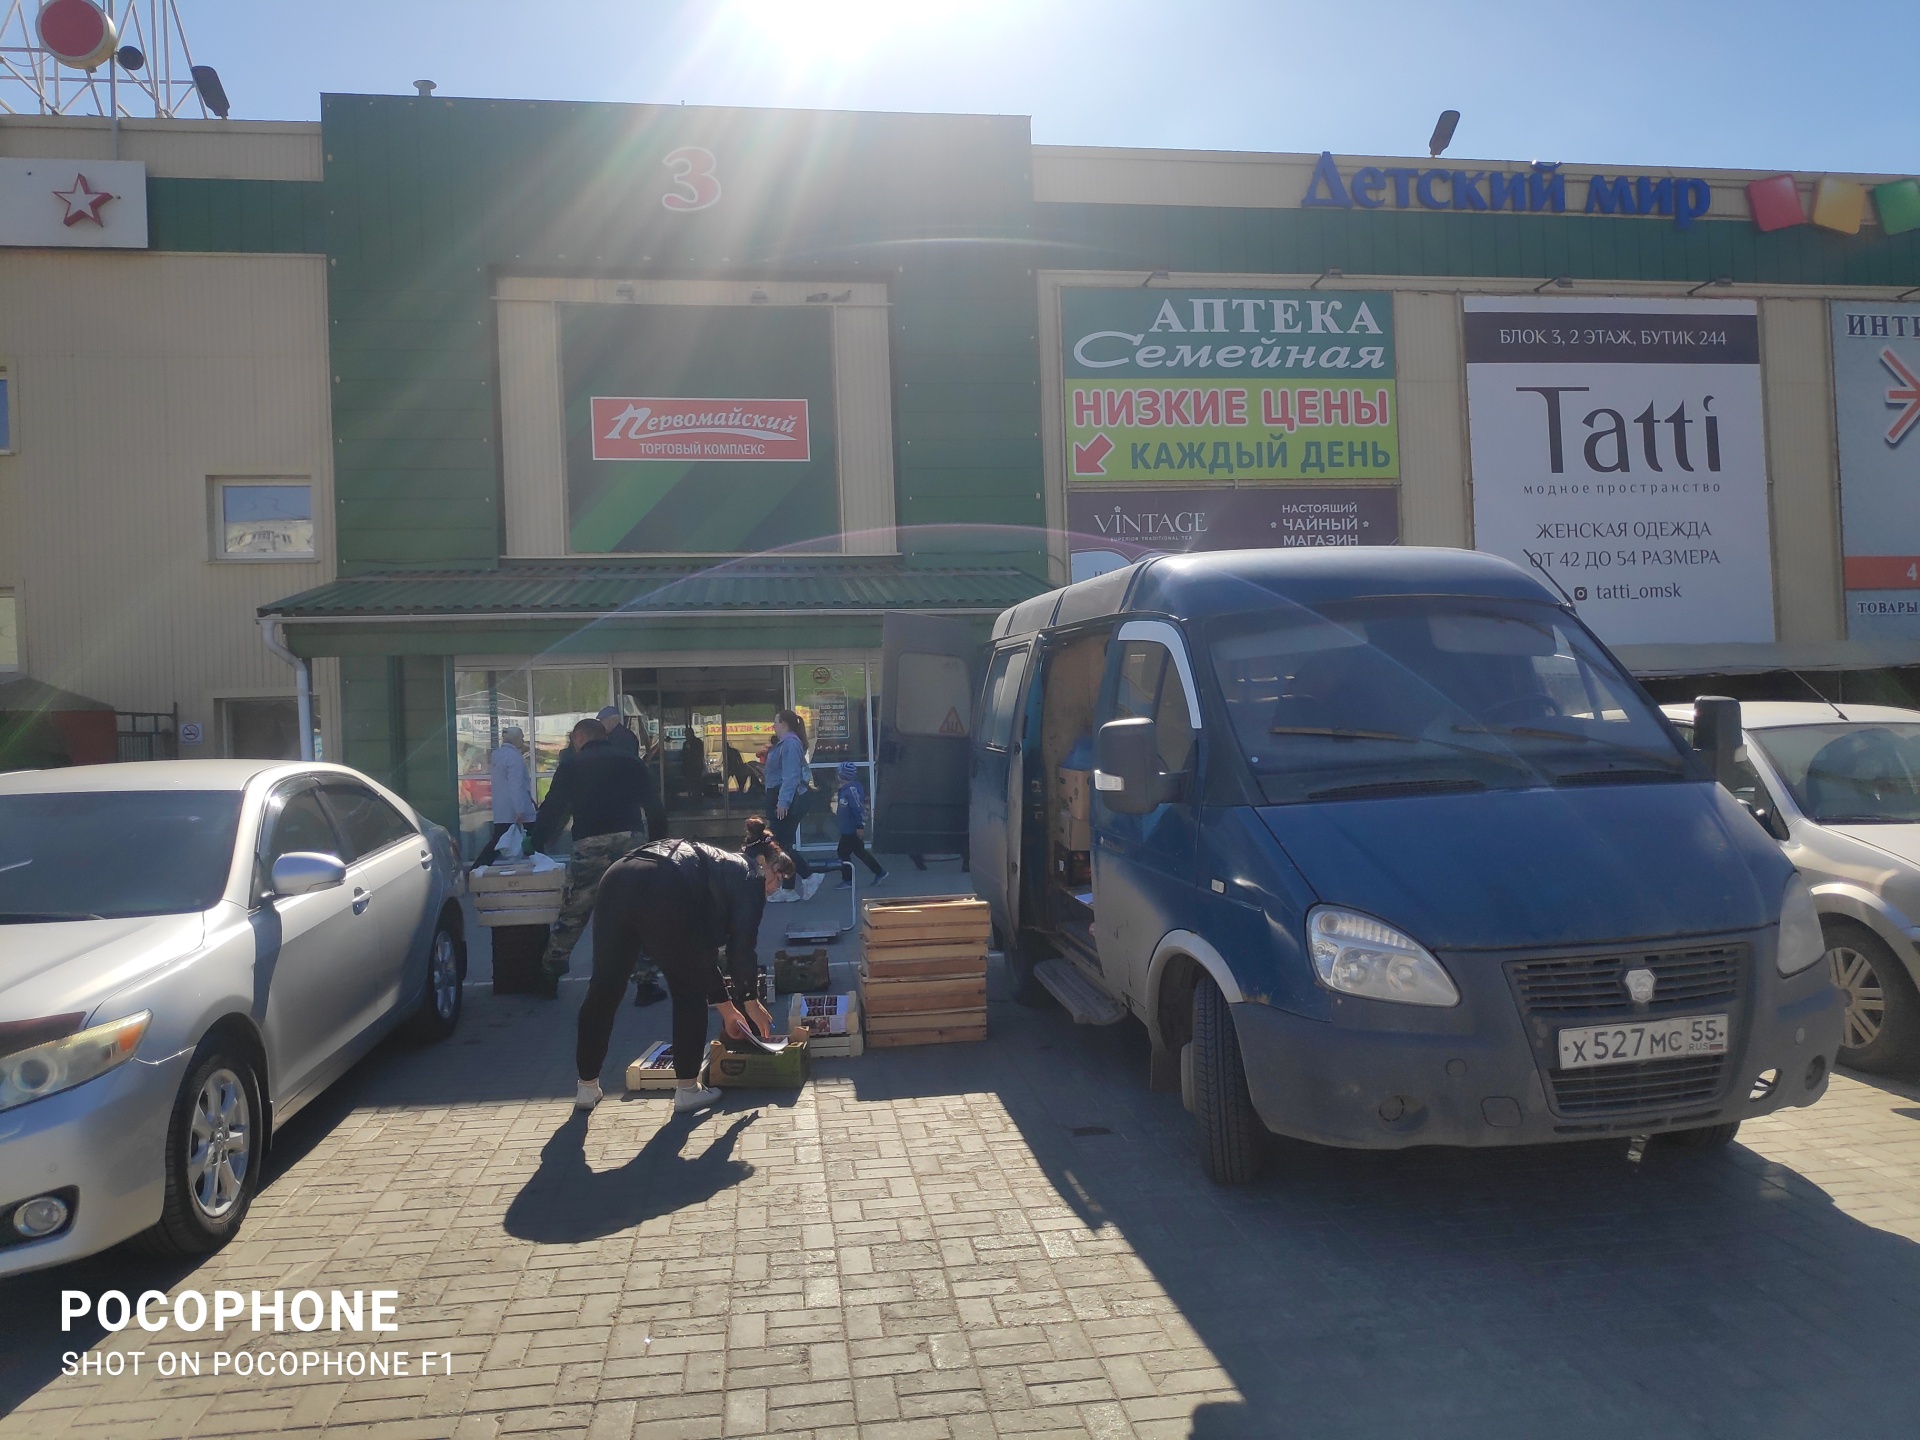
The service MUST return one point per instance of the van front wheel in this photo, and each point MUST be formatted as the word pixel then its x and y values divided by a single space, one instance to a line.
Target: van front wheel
pixel 1230 1132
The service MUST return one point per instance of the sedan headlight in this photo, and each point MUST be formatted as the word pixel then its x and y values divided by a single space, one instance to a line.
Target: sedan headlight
pixel 1801 941
pixel 62 1064
pixel 1359 955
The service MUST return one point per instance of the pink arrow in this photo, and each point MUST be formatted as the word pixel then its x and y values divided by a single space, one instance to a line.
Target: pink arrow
pixel 1906 394
pixel 1090 458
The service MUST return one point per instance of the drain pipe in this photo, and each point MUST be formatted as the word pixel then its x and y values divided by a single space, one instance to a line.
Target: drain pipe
pixel 303 682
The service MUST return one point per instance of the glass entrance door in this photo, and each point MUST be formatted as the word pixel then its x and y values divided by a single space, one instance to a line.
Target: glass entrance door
pixel 707 730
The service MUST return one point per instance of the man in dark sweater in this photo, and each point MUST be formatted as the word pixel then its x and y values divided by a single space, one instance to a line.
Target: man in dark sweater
pixel 605 794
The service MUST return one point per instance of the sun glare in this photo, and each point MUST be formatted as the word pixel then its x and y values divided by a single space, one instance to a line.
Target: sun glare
pixel 831 34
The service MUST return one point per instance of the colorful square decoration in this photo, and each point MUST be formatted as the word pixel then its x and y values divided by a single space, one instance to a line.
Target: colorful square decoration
pixel 1775 203
pixel 1898 202
pixel 1839 205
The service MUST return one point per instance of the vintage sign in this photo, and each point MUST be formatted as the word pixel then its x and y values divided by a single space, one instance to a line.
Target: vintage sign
pixel 84 204
pixel 1876 396
pixel 656 427
pixel 1618 445
pixel 1110 528
pixel 1228 385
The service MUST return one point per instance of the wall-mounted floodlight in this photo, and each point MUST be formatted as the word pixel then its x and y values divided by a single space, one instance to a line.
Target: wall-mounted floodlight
pixel 213 95
pixel 1332 272
pixel 624 290
pixel 1905 293
pixel 758 297
pixel 1442 132
pixel 1719 282
pixel 1558 282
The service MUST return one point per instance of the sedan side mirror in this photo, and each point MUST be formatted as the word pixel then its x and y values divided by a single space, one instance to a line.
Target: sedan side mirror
pixel 1716 735
pixel 1128 774
pixel 301 872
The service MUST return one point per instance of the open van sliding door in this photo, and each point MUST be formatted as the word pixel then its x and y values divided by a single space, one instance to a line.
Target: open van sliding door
pixel 928 669
pixel 998 743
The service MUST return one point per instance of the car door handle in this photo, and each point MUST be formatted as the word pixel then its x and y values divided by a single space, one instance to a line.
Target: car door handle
pixel 361 899
pixel 426 860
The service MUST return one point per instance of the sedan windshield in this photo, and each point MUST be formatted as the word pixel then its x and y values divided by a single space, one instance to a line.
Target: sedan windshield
pixel 1839 773
pixel 108 854
pixel 1371 698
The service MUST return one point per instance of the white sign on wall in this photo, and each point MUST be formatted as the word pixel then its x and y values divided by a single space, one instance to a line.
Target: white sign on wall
pixel 1876 396
pixel 1620 445
pixel 84 204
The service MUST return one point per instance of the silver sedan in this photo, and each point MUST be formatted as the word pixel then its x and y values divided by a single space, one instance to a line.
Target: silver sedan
pixel 1839 787
pixel 190 952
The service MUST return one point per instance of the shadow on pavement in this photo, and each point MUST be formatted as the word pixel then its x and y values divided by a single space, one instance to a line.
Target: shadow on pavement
pixel 1557 1290
pixel 566 1201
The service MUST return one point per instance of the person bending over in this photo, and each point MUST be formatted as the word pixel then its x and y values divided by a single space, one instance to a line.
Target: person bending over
pixel 682 903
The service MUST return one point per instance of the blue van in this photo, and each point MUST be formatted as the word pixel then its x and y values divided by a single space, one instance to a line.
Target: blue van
pixel 1384 848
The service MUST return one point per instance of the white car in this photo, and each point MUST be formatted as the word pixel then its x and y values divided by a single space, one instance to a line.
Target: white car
pixel 1838 785
pixel 190 951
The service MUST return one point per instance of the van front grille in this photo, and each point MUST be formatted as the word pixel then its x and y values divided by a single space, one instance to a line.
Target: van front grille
pixel 1644 1086
pixel 1596 984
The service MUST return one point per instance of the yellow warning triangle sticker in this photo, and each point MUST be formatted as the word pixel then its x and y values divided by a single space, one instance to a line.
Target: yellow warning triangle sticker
pixel 953 724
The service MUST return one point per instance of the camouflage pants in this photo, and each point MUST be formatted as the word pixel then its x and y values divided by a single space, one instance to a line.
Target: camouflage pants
pixel 585 866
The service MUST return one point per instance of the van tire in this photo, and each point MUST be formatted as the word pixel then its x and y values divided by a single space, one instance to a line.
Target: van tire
pixel 221 1071
pixel 1859 956
pixel 1230 1131
pixel 1707 1137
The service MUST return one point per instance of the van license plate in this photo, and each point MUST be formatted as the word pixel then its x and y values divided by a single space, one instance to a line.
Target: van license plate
pixel 1644 1040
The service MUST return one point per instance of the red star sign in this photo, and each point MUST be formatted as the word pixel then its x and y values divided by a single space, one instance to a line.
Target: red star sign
pixel 83 202
pixel 1905 394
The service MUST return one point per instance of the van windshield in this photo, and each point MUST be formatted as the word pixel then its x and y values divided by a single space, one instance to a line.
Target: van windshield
pixel 1370 698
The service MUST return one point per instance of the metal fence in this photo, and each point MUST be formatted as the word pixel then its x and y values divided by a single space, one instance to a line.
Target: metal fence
pixel 148 734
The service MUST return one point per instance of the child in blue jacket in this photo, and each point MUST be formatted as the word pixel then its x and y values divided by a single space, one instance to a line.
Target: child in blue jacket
pixel 851 807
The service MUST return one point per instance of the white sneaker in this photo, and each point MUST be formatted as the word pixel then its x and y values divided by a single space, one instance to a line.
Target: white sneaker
pixel 698 1098
pixel 782 896
pixel 586 1095
pixel 810 885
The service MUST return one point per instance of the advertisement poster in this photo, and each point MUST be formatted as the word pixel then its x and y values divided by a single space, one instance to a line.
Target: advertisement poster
pixel 1619 445
pixel 1217 386
pixel 1111 528
pixel 832 699
pixel 698 429
pixel 1876 390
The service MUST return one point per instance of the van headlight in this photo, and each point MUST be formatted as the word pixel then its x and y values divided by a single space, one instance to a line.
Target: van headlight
pixel 1801 943
pixel 44 1070
pixel 1359 955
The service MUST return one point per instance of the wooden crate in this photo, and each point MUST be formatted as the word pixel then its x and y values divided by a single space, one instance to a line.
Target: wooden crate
pixel 929 920
pixel 513 897
pixel 946 1034
pixel 914 997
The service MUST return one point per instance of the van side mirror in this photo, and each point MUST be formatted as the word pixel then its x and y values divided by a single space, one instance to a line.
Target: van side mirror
pixel 1128 774
pixel 301 872
pixel 1716 735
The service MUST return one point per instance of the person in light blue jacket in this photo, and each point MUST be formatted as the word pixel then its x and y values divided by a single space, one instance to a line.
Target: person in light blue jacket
pixel 790 793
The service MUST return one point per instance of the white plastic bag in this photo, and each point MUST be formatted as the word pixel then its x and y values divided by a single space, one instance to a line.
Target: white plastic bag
pixel 512 844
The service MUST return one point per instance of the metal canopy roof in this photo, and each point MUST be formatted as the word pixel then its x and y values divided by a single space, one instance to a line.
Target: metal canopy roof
pixel 541 589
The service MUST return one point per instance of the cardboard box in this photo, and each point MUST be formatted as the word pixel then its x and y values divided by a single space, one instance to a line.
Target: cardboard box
pixel 753 1069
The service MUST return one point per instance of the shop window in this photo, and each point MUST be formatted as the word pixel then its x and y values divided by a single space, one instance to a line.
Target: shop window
pixel 9 632
pixel 544 703
pixel 263 520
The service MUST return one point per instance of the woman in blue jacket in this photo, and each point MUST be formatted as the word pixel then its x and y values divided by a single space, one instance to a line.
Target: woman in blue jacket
pixel 790 793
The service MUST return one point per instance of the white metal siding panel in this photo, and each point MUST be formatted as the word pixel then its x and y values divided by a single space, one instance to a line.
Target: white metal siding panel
pixel 532 428
pixel 863 409
pixel 1436 503
pixel 139 376
pixel 174 149
pixel 1803 473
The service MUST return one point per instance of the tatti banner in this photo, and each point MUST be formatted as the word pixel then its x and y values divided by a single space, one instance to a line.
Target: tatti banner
pixel 1619 445
pixel 1876 396
pixel 1219 386
pixel 1111 528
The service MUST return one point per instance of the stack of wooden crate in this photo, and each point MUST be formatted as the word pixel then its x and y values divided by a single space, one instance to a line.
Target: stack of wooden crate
pixel 923 979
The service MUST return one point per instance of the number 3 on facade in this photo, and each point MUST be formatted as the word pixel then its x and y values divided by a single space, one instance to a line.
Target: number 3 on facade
pixel 695 186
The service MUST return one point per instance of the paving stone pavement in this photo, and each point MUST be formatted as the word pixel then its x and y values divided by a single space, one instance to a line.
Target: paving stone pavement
pixel 1010 1239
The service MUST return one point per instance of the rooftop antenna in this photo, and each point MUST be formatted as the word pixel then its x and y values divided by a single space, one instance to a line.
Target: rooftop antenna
pixel 139 63
pixel 1830 704
pixel 1533 561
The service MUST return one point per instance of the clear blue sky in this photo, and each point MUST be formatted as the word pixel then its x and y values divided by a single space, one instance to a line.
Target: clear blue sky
pixel 1827 86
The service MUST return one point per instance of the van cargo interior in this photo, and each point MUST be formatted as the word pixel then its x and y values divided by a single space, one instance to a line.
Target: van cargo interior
pixel 1071 692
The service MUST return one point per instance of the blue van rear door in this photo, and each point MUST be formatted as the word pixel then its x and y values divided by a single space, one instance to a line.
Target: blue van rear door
pixel 998 743
pixel 929 674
